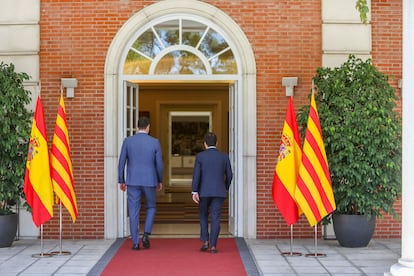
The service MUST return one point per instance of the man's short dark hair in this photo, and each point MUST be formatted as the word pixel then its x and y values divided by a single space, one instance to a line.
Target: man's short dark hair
pixel 211 139
pixel 143 122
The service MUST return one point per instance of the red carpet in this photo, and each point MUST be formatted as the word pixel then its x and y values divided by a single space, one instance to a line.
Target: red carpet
pixel 176 256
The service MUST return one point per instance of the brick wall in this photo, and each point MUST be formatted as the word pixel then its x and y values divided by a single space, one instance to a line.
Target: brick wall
pixel 286 40
pixel 387 56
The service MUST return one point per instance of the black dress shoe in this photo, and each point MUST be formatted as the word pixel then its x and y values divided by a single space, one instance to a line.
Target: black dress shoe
pixel 135 247
pixel 145 241
pixel 204 247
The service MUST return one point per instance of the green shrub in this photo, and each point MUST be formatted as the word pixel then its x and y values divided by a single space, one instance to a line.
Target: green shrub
pixel 362 136
pixel 15 126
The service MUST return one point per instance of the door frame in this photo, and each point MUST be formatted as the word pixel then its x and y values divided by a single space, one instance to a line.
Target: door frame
pixel 171 114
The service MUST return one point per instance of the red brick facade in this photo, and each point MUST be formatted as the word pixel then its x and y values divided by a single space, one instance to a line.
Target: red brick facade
pixel 286 39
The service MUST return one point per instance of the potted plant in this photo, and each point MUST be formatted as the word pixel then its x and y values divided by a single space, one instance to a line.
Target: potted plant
pixel 14 135
pixel 362 135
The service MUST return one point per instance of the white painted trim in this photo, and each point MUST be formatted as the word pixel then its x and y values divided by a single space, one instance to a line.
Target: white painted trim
pixel 343 32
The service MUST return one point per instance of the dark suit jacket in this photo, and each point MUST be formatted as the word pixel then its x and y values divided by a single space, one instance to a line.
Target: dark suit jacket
pixel 143 157
pixel 212 173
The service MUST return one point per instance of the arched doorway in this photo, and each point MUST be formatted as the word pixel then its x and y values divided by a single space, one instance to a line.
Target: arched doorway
pixel 150 67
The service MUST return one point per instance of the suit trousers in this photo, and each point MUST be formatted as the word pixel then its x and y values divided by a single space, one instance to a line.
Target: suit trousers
pixel 134 194
pixel 212 205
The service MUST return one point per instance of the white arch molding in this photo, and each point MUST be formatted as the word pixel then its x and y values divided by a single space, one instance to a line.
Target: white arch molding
pixel 245 106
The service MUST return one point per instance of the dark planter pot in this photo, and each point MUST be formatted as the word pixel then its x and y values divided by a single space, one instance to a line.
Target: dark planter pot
pixel 353 230
pixel 8 229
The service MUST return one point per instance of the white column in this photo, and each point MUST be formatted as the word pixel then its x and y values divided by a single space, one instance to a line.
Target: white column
pixel 405 265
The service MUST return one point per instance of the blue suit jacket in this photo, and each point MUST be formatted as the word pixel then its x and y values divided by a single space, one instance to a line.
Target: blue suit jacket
pixel 141 153
pixel 212 173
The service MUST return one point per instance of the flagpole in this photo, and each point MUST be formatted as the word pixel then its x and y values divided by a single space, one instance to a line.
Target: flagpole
pixel 41 254
pixel 316 254
pixel 291 253
pixel 60 252
pixel 37 182
pixel 57 179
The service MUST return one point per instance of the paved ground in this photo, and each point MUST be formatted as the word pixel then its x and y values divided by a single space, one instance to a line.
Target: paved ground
pixel 375 259
pixel 261 257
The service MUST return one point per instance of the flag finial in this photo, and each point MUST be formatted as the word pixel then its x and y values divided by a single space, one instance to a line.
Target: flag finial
pixel 39 87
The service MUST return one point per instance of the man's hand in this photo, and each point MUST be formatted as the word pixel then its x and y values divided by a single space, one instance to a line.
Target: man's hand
pixel 196 198
pixel 159 186
pixel 122 186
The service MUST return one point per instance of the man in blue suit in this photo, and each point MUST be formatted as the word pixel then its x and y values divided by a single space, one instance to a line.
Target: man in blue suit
pixel 141 154
pixel 211 181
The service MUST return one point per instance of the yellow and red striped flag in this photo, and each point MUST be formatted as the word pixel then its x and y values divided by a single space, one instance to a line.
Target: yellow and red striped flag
pixel 287 168
pixel 314 192
pixel 61 164
pixel 37 183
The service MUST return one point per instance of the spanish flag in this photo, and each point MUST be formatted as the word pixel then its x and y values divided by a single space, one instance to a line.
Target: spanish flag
pixel 61 164
pixel 314 192
pixel 37 183
pixel 287 168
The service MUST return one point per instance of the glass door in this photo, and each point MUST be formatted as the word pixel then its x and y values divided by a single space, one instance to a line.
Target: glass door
pixel 130 124
pixel 232 155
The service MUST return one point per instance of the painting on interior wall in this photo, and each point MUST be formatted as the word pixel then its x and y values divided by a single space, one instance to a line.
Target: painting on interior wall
pixel 187 130
pixel 187 137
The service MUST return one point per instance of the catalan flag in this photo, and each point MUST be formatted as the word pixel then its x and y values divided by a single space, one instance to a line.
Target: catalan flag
pixel 37 183
pixel 287 168
pixel 61 164
pixel 314 192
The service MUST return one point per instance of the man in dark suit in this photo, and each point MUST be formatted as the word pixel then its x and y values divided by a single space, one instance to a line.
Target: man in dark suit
pixel 211 181
pixel 141 153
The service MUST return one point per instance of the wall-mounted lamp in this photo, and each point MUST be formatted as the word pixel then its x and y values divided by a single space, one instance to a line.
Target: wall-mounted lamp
pixel 289 83
pixel 70 85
